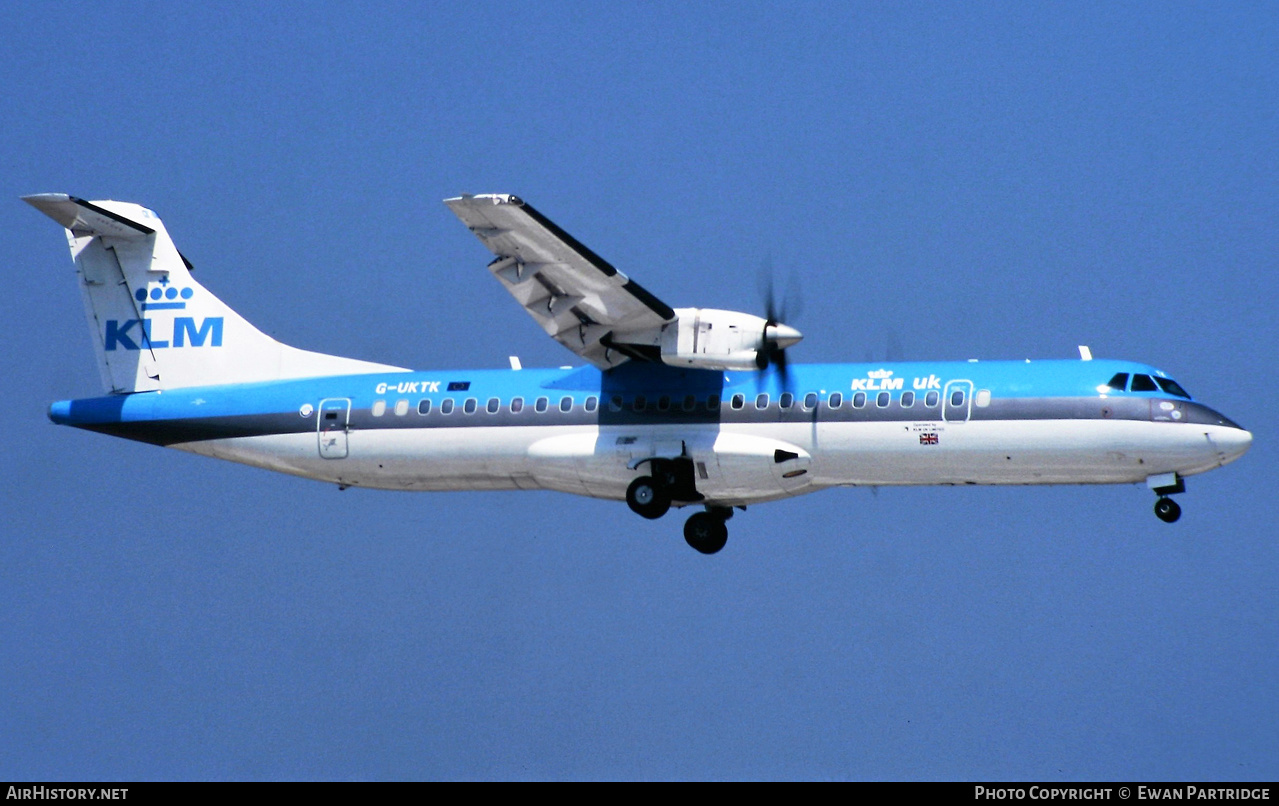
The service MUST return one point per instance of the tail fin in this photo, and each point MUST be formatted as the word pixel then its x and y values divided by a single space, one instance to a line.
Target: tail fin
pixel 154 326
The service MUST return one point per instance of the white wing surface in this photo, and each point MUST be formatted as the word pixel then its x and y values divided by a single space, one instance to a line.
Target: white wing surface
pixel 574 294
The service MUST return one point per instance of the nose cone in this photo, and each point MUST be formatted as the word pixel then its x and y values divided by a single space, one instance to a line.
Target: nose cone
pixel 1232 442
pixel 782 335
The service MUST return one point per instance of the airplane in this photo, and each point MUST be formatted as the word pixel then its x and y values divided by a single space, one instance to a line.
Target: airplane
pixel 674 407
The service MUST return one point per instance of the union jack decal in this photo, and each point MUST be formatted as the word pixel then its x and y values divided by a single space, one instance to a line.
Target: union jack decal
pixel 927 439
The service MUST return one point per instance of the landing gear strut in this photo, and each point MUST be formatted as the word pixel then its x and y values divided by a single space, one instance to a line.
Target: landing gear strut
pixel 1163 486
pixel 706 531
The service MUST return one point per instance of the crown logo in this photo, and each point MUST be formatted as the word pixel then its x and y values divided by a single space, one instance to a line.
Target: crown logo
pixel 880 373
pixel 163 298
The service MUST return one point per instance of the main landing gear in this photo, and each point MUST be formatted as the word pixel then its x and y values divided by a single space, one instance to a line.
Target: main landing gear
pixel 1164 485
pixel 706 531
pixel 672 481
pixel 647 498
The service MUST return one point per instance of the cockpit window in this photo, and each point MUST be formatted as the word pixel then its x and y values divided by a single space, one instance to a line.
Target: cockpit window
pixel 1119 382
pixel 1143 383
pixel 1171 387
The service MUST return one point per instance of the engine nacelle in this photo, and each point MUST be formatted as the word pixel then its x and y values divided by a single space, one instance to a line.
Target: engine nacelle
pixel 707 338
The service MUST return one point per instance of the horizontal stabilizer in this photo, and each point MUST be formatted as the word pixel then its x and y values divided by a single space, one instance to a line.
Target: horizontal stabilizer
pixel 154 326
pixel 87 218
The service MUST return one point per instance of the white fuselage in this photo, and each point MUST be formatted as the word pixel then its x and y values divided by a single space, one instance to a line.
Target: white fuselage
pixel 734 461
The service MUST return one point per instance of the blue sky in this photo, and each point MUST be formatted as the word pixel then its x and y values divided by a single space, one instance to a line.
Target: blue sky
pixel 994 180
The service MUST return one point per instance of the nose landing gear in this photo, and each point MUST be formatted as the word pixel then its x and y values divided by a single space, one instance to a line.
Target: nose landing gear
pixel 1164 485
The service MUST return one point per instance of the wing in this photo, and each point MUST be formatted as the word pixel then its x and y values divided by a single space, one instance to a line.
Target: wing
pixel 574 294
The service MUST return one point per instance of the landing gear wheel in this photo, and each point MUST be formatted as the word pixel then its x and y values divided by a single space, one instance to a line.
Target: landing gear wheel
pixel 706 532
pixel 1167 510
pixel 647 498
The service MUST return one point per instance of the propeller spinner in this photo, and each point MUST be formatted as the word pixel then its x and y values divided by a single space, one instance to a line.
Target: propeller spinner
pixel 777 336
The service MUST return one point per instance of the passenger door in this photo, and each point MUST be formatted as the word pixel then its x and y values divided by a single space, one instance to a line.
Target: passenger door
pixel 957 401
pixel 333 424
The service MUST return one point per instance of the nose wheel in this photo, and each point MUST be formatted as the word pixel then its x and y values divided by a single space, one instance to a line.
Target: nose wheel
pixel 1164 485
pixel 1167 510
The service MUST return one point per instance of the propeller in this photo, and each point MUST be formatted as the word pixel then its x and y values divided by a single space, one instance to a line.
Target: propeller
pixel 776 336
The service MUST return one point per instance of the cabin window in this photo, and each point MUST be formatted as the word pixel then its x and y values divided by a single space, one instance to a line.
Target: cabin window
pixel 931 399
pixel 786 400
pixel 810 400
pixel 592 402
pixel 470 405
pixel 739 401
pixel 401 408
pixel 639 403
pixel 446 406
pixel 690 402
pixel 908 399
pixel 566 404
pixel 517 405
pixel 541 404
pixel 424 406
pixel 957 397
pixel 615 403
pixel 1119 382
pixel 712 403
pixel 493 406
pixel 882 399
pixel 1171 387
pixel 761 400
pixel 1143 383
pixel 835 400
pixel 664 403
pixel 983 398
pixel 859 400
pixel 379 408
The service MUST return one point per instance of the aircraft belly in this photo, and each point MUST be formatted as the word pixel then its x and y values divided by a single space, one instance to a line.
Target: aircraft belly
pixel 732 465
pixel 1007 452
pixel 284 453
pixel 601 463
pixel 399 459
pixel 741 463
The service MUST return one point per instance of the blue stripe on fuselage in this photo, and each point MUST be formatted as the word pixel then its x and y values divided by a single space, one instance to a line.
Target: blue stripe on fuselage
pixel 1018 379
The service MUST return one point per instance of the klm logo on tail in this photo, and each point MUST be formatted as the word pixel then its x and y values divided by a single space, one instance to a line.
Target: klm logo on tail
pixel 122 334
pixel 185 333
